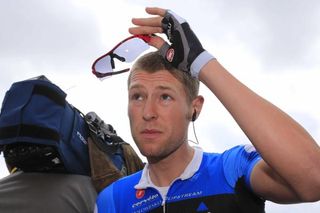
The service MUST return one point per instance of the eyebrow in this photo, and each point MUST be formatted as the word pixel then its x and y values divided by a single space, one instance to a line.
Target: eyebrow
pixel 139 86
pixel 165 88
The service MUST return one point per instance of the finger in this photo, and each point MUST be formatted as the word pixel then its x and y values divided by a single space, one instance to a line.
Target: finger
pixel 156 42
pixel 154 21
pixel 145 30
pixel 156 11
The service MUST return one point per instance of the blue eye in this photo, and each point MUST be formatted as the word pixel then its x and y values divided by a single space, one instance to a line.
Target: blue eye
pixel 166 97
pixel 136 97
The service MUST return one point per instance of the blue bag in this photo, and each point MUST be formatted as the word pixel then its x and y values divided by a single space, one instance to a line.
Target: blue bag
pixel 36 111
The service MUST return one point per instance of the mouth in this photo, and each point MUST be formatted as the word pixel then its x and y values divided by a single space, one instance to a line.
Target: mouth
pixel 150 133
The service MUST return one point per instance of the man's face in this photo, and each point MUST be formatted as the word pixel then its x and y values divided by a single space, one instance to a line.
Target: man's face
pixel 158 113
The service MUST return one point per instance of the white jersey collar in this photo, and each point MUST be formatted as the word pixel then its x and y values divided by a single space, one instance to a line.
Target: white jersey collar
pixel 189 171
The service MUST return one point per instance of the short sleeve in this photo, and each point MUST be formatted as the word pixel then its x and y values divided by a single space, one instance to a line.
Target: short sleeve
pixel 105 201
pixel 239 162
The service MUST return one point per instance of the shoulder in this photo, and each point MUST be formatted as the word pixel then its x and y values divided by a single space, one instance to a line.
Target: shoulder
pixel 42 179
pixel 239 161
pixel 245 152
pixel 129 180
pixel 233 163
pixel 109 197
pixel 68 192
pixel 125 183
pixel 231 154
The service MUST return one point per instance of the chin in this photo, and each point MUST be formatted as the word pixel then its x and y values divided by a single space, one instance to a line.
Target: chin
pixel 154 156
pixel 150 152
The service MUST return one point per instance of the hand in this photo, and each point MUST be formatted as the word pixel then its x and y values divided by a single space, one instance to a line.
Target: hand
pixel 186 52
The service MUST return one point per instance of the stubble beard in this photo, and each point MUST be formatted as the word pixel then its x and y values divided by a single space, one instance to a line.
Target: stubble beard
pixel 156 154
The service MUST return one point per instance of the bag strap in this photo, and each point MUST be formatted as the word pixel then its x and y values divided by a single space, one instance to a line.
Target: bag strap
pixel 28 130
pixel 103 144
pixel 103 171
pixel 132 160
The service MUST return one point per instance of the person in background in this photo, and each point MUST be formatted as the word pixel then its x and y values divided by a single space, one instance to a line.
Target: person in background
pixel 43 175
pixel 58 158
pixel 282 164
pixel 39 182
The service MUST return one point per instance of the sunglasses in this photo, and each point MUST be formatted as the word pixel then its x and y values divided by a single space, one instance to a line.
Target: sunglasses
pixel 126 51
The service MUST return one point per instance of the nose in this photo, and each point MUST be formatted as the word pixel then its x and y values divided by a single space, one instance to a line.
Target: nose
pixel 150 110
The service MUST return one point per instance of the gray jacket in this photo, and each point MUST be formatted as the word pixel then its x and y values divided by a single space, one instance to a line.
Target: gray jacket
pixel 43 192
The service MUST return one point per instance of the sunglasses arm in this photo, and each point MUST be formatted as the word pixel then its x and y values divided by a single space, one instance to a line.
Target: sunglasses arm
pixel 112 56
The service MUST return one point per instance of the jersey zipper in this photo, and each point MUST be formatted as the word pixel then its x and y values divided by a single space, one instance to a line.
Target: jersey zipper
pixel 164 205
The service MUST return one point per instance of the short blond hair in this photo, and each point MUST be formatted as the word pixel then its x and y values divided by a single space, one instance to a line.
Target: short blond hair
pixel 153 62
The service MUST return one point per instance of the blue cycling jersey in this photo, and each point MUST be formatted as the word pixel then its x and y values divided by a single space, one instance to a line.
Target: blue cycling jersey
pixel 221 183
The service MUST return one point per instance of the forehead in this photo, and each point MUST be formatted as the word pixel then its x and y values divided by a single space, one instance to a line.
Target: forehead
pixel 158 78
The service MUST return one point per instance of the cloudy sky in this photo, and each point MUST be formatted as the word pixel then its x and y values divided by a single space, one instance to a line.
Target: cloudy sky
pixel 271 46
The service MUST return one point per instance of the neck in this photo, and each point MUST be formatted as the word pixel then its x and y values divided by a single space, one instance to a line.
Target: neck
pixel 163 172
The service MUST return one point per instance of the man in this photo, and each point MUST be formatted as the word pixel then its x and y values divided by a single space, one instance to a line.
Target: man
pixel 283 165
pixel 46 192
pixel 58 158
pixel 43 175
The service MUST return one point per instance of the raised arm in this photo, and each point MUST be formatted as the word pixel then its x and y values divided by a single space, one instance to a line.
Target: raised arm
pixel 290 169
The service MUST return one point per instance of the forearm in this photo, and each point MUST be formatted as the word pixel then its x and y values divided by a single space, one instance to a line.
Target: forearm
pixel 287 148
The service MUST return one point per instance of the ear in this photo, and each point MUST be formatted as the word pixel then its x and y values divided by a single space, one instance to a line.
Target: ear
pixel 197 104
pixel 194 115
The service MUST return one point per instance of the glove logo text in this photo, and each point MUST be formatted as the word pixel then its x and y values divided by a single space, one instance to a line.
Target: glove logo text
pixel 170 54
